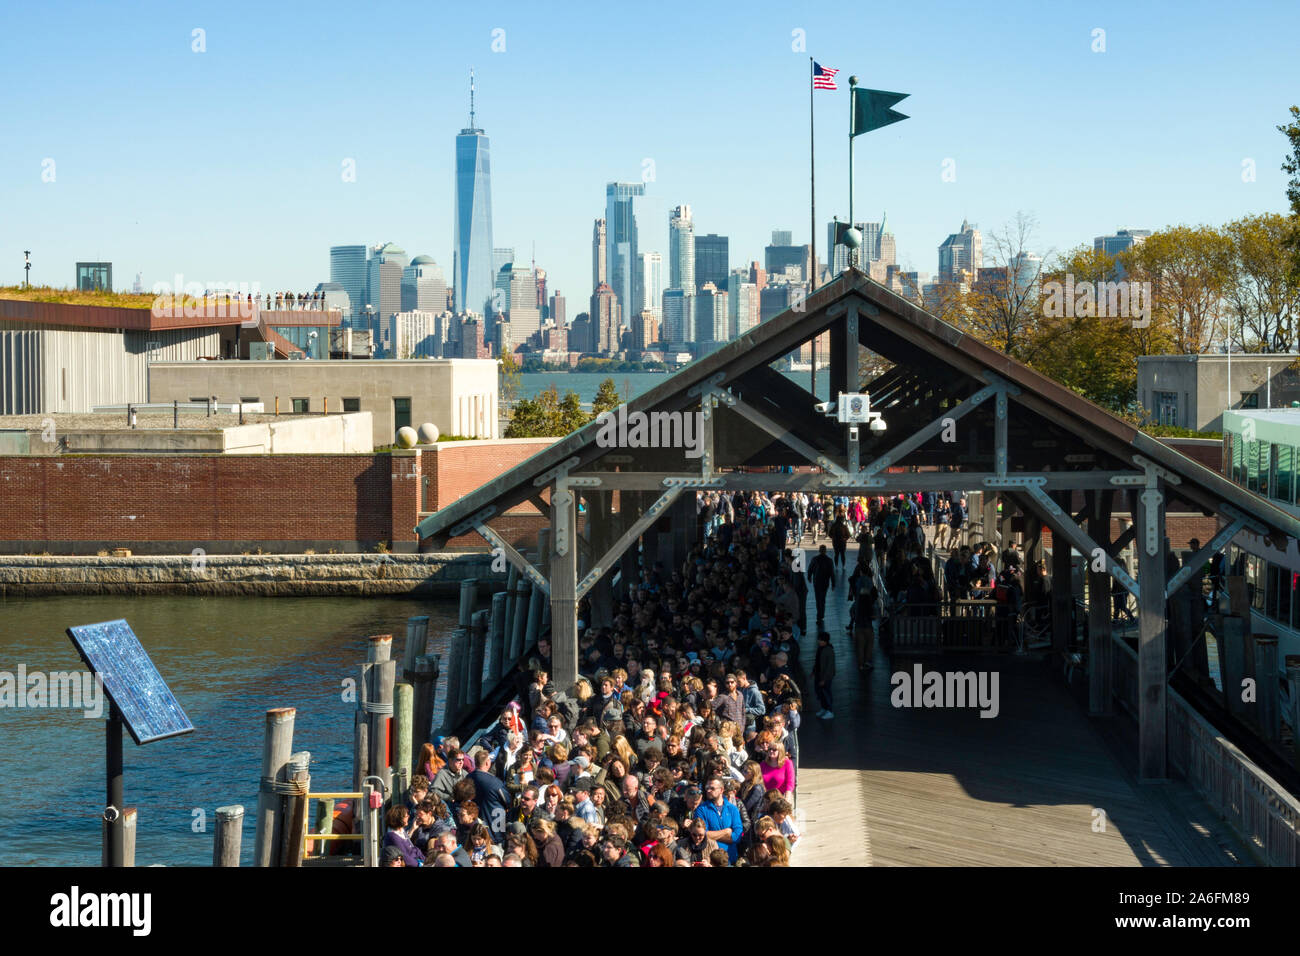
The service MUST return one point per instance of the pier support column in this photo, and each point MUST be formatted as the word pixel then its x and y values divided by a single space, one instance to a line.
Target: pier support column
pixel 497 640
pixel 564 589
pixel 477 649
pixel 1266 693
pixel 523 596
pixel 1151 633
pixel 1062 584
pixel 455 680
pixel 1100 648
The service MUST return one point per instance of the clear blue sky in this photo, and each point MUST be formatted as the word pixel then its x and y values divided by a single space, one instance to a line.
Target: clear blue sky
pixel 226 165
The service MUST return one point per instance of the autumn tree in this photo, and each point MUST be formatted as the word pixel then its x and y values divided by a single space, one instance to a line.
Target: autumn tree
pixel 1003 306
pixel 1264 291
pixel 607 398
pixel 1291 166
pixel 547 416
pixel 1190 270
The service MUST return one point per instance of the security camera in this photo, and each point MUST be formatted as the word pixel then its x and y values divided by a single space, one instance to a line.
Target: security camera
pixel 826 408
pixel 877 425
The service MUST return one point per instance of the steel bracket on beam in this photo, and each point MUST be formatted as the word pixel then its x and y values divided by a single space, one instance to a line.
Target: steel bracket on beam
pixel 1029 481
pixel 559 471
pixel 715 482
pixel 713 381
pixel 1151 468
pixel 560 502
pixel 515 558
pixel 776 431
pixel 1128 479
pixel 581 481
pixel 471 523
pixel 1248 523
pixel 1194 563
pixel 1152 498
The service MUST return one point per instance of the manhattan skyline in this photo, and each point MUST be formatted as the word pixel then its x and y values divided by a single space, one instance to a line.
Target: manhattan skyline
pixel 230 167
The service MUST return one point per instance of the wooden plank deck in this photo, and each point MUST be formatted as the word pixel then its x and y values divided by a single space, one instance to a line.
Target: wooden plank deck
pixel 886 786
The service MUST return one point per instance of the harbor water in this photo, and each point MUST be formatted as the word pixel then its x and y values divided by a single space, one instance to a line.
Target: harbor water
pixel 228 660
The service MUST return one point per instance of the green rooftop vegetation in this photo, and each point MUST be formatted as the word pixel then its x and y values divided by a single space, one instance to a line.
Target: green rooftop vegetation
pixel 46 293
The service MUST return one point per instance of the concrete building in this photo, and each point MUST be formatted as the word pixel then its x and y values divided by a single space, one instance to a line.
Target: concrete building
pixel 1122 241
pixel 69 358
pixel 607 320
pixel 1192 391
pixel 779 255
pixel 650 284
pixel 681 250
pixel 416 334
pixel 962 251
pixel 599 254
pixel 678 329
pixel 711 325
pixel 384 279
pixel 424 287
pixel 457 395
pixel 645 331
pixel 557 311
pixel 712 255
pixel 348 269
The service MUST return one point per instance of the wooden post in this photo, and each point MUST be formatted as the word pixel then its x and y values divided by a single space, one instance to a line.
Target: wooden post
pixel 1101 650
pixel 477 648
pixel 564 604
pixel 277 745
pixel 1062 588
pixel 468 597
pixel 989 517
pixel 1232 662
pixel 229 835
pixel 369 836
pixel 1151 634
pixel 523 597
pixel 538 598
pixel 417 642
pixel 1266 686
pixel 382 676
pixel 497 639
pixel 425 683
pixel 295 809
pixel 361 730
pixel 455 677
pixel 512 605
pixel 128 836
pixel 403 719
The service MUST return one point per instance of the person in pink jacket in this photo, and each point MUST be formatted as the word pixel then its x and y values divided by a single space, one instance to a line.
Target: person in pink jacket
pixel 778 770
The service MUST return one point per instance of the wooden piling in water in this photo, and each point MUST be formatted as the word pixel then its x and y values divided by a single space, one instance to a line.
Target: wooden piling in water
pixel 477 648
pixel 497 640
pixel 298 778
pixel 512 604
pixel 277 746
pixel 228 836
pixel 382 678
pixel 468 598
pixel 403 717
pixel 424 682
pixel 417 642
pixel 361 731
pixel 455 679
pixel 534 627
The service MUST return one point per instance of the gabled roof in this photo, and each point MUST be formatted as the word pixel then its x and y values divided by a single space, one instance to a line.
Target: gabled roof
pixel 887 317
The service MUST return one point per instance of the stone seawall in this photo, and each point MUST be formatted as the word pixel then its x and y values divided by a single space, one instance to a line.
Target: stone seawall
pixel 279 575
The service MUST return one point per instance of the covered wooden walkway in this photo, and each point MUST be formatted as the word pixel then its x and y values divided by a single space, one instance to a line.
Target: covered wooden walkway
pixel 887 786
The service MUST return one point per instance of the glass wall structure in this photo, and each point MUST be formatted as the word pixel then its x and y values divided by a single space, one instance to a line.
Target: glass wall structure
pixel 472 271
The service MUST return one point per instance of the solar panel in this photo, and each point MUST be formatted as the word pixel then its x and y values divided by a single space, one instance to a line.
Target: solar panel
pixel 111 650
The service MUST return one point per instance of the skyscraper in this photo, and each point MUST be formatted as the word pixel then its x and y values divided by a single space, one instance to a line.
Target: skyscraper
pixel 501 258
pixel 779 255
pixel 424 287
pixel 521 306
pixel 607 320
pixel 1122 241
pixel 599 254
pixel 742 303
pixel 961 251
pixel 711 325
pixel 650 275
pixel 781 237
pixel 472 269
pixel 348 269
pixel 621 251
pixel 678 327
pixel 681 251
pixel 557 308
pixel 838 256
pixel 711 254
pixel 384 280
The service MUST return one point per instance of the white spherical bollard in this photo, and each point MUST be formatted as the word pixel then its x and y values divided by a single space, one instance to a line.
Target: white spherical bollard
pixel 428 433
pixel 406 437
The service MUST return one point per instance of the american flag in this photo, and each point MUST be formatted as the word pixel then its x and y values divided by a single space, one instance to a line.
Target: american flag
pixel 823 77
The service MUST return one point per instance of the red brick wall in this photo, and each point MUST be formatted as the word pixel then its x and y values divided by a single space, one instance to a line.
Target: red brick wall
pixel 457 468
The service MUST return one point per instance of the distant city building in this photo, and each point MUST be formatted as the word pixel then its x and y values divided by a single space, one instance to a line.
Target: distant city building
pixel 581 338
pixel 607 320
pixel 645 331
pixel 778 296
pixel 384 282
pixel 779 255
pixel 711 325
pixel 681 251
pixel 424 287
pixel 838 256
pixel 650 269
pixel 557 313
pixel 599 254
pixel 678 324
pixel 94 276
pixel 781 237
pixel 348 269
pixel 962 251
pixel 415 334
pixel 1122 241
pixel 501 257
pixel 621 248
pixel 711 260
pixel 757 275
pixel 521 304
pixel 555 338
pixel 472 270
pixel 335 296
pixel 543 307
pixel 138 285
pixel 743 303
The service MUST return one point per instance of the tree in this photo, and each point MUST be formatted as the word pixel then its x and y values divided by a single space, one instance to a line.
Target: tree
pixel 1291 166
pixel 607 398
pixel 547 416
pixel 1264 296
pixel 1190 271
pixel 1004 306
pixel 509 378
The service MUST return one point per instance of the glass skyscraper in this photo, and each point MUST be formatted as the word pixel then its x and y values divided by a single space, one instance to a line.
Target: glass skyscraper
pixel 472 271
pixel 349 269
pixel 621 251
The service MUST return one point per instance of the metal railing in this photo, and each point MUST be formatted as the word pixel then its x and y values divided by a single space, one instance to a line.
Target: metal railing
pixel 1255 805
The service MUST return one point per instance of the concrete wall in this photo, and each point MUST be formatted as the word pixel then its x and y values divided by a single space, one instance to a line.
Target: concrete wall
pixel 1201 384
pixel 457 395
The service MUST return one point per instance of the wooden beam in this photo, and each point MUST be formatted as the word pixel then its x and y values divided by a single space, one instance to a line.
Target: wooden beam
pixel 564 600
pixel 634 531
pixel 781 434
pixel 1221 538
pixel 1101 650
pixel 881 484
pixel 919 438
pixel 1151 637
pixel 514 557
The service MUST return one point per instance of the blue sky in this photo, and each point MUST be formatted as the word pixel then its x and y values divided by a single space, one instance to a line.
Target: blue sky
pixel 226 165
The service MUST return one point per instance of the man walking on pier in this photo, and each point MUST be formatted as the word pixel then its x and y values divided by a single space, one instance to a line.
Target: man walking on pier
pixel 822 572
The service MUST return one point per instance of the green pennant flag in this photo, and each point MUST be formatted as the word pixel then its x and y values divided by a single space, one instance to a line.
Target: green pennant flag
pixel 871 110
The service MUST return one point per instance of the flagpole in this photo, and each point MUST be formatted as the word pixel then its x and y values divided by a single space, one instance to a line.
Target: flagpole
pixel 812 207
pixel 853 253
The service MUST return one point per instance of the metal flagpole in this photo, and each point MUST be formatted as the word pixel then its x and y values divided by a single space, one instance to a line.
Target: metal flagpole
pixel 853 253
pixel 812 206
